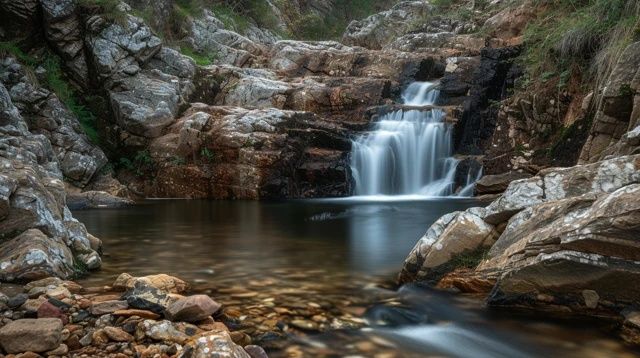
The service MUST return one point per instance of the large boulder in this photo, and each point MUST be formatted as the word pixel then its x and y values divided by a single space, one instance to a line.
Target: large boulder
pixel 31 335
pixel 63 29
pixel 147 84
pixel 615 126
pixel 453 235
pixel 379 29
pixel 79 159
pixel 40 236
pixel 230 152
pixel 561 248
pixel 559 183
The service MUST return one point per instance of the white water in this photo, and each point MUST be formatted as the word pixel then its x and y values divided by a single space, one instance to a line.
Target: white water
pixel 409 153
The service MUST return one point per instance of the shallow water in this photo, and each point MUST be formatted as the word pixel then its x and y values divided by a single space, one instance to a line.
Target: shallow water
pixel 328 263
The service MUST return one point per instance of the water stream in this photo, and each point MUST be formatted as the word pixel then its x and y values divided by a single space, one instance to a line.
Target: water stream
pixel 409 152
pixel 333 259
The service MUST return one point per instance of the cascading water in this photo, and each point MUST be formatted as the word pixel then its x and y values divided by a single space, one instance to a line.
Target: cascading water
pixel 409 152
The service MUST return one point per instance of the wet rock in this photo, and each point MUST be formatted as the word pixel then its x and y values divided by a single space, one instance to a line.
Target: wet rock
pixel 591 298
pixel 304 325
pixel 255 351
pixel 192 309
pixel 161 282
pixel 453 235
pixel 168 331
pixel 31 335
pixel 145 297
pixel 17 300
pixel 105 307
pixel 95 200
pixel 117 335
pixel 544 246
pixel 212 343
pixel 62 350
pixel 495 184
pixel 133 312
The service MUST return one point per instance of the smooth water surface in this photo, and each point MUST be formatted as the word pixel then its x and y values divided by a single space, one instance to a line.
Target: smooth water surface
pixel 336 256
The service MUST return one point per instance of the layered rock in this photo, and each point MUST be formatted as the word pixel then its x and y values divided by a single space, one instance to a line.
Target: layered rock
pixel 616 124
pixel 562 232
pixel 41 238
pixel 80 160
pixel 229 152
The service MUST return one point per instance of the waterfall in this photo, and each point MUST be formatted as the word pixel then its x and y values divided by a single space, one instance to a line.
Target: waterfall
pixel 409 152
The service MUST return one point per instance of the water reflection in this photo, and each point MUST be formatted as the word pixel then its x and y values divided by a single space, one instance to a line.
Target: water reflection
pixel 325 252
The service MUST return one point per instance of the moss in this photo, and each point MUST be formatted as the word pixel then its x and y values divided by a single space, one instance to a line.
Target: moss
pixel 469 259
pixel 108 9
pixel 80 270
pixel 57 83
pixel 201 59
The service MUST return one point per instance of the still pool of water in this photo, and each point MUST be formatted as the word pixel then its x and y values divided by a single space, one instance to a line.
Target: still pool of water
pixel 328 264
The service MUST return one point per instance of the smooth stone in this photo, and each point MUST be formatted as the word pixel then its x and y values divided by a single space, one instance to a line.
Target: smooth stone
pixel 135 312
pixel 100 308
pixel 192 309
pixel 591 298
pixel 255 351
pixel 17 300
pixel 31 335
pixel 117 334
pixel 47 310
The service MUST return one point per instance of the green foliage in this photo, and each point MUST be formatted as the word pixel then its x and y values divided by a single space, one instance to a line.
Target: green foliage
pixel 207 154
pixel 80 269
pixel 56 82
pixel 108 9
pixel 141 163
pixel 315 27
pixel 12 49
pixel 626 90
pixel 469 259
pixel 201 59
pixel 578 35
pixel 231 18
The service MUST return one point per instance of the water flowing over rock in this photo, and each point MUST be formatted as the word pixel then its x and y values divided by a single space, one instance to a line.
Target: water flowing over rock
pixel 408 151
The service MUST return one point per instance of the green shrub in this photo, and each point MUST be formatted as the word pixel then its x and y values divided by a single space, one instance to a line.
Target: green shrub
pixel 200 59
pixel 56 82
pixel 579 35
pixel 108 9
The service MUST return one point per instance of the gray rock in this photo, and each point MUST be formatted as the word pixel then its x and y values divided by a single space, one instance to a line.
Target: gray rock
pixel 378 29
pixel 571 245
pixel 492 184
pixel 31 335
pixel 454 234
pixel 192 309
pixel 216 343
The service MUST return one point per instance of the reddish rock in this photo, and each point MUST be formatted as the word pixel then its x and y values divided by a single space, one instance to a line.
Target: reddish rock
pixel 48 310
pixel 134 312
pixel 192 309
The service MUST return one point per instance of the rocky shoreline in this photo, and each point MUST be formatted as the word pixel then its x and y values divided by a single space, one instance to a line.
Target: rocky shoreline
pixel 154 316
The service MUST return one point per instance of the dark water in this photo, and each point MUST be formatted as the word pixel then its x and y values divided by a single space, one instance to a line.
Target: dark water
pixel 334 254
